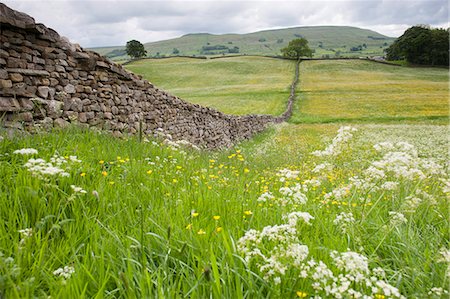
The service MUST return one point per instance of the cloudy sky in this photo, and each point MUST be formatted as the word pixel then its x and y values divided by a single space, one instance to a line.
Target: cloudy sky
pixel 109 23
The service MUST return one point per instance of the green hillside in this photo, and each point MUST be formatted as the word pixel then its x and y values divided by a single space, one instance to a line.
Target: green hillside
pixel 329 41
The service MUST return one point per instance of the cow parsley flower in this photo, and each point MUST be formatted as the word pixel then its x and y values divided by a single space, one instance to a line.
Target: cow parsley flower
pixel 295 216
pixel 78 189
pixel 344 221
pixel 65 272
pixel 26 151
pixel 397 218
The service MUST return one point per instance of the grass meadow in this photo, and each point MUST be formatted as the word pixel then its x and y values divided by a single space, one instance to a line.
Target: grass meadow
pixel 235 85
pixel 362 91
pixel 303 210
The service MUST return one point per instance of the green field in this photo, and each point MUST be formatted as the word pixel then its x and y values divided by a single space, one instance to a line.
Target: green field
pixel 308 209
pixel 366 91
pixel 325 40
pixel 236 85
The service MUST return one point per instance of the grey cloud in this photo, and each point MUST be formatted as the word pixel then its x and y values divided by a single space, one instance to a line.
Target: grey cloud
pixel 98 23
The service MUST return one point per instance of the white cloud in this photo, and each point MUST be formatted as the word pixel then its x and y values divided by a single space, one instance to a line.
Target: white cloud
pixel 112 22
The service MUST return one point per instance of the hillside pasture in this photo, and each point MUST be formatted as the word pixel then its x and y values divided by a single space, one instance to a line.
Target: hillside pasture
pixel 333 41
pixel 234 85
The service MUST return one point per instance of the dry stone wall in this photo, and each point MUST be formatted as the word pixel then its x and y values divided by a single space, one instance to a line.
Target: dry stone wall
pixel 47 81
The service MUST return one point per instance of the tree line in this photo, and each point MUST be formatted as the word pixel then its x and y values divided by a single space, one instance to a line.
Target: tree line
pixel 421 45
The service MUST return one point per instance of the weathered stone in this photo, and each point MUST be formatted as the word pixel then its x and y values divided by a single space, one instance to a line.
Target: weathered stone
pixel 95 107
pixel 12 62
pixel 54 108
pixel 5 83
pixel 69 88
pixel 38 60
pixel 115 110
pixel 45 82
pixel 61 123
pixel 53 82
pixel 25 116
pixel 81 55
pixel 3 53
pixel 82 117
pixel 90 115
pixel 9 105
pixel 102 64
pixel 15 77
pixel 28 72
pixel 15 18
pixel 26 104
pixel 60 68
pixel 42 91
pixel 3 74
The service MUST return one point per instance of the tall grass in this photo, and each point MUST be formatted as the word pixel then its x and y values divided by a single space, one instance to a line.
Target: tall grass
pixel 162 222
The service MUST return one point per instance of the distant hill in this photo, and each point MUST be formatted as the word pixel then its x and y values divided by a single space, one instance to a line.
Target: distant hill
pixel 331 41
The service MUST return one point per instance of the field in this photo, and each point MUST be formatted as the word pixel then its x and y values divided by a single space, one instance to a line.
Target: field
pixel 355 91
pixel 325 40
pixel 223 84
pixel 329 205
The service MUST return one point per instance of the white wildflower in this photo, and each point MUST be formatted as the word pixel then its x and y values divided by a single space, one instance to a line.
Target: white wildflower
pixel 323 167
pixel 266 196
pixel 65 272
pixel 288 174
pixel 438 292
pixel 397 218
pixel 25 234
pixel 351 263
pixel 298 253
pixel 335 148
pixel 389 185
pixel 26 151
pixel 78 189
pixel 344 221
pixel 411 203
pixel 295 216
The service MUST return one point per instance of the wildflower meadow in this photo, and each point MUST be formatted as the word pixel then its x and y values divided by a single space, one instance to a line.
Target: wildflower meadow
pixel 85 215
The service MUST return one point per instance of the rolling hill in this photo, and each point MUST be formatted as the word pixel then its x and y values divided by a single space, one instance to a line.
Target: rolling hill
pixel 331 41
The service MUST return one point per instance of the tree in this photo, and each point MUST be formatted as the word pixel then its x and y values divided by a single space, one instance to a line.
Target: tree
pixel 297 48
pixel 421 45
pixel 135 49
pixel 175 51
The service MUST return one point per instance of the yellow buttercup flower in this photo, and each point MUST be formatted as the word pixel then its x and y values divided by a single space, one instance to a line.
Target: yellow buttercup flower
pixel 218 229
pixel 246 170
pixel 194 214
pixel 216 217
pixel 149 171
pixel 101 162
pixel 248 213
pixel 104 173
pixel 201 232
pixel 302 294
pixel 83 174
pixel 189 226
